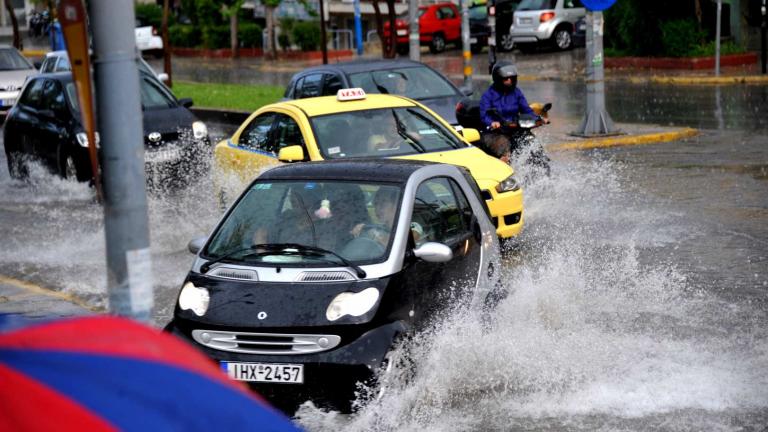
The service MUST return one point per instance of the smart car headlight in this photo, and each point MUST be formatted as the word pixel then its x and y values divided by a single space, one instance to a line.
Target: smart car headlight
pixel 349 303
pixel 509 184
pixel 82 139
pixel 194 299
pixel 199 130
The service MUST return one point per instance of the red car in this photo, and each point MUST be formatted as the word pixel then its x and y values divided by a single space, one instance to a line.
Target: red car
pixel 439 24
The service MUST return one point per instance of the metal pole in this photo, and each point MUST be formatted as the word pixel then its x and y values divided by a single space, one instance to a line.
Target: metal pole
pixel 166 45
pixel 358 29
pixel 414 47
pixel 717 37
pixel 126 221
pixel 323 39
pixel 596 120
pixel 465 44
pixel 491 34
pixel 762 34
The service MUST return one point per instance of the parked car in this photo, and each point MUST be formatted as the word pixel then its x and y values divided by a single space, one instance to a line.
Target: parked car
pixel 58 61
pixel 147 39
pixel 403 77
pixel 546 21
pixel 355 125
pixel 479 29
pixel 14 70
pixel 580 33
pixel 292 301
pixel 45 125
pixel 439 24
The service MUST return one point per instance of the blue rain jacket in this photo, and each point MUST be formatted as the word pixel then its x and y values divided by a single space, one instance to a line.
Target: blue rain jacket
pixel 508 105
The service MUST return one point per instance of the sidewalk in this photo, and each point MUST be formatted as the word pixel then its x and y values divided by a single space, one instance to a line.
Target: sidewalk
pixel 31 301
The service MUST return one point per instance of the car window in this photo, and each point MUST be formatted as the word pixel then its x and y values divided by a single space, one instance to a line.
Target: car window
pixel 445 13
pixel 381 132
pixel 478 12
pixel 11 59
pixel 331 84
pixel 72 99
pixel 438 214
pixel 53 96
pixel 536 5
pixel 153 96
pixel 287 133
pixel 419 82
pixel 63 65
pixel 310 86
pixel 33 94
pixel 573 4
pixel 255 136
pixel 48 65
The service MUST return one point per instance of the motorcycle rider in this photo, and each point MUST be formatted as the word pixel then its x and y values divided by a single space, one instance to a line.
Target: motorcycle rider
pixel 503 101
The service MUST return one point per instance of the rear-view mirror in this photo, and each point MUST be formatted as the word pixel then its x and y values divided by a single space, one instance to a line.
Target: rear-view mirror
pixel 470 134
pixel 291 153
pixel 163 77
pixel 186 102
pixel 196 244
pixel 434 252
pixel 466 91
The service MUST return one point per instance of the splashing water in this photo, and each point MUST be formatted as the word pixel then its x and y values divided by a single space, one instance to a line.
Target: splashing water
pixel 595 334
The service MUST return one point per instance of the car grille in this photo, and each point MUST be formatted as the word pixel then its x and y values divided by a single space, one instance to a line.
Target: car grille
pixel 325 276
pixel 234 273
pixel 265 343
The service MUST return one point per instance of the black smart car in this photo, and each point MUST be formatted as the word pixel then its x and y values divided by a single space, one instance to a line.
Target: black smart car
pixel 402 77
pixel 319 268
pixel 45 125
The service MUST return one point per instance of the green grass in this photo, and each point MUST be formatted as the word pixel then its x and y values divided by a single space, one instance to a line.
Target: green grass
pixel 238 97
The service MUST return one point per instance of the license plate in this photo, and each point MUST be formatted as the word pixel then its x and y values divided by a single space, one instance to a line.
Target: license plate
pixel 159 156
pixel 265 372
pixel 525 21
pixel 472 40
pixel 402 32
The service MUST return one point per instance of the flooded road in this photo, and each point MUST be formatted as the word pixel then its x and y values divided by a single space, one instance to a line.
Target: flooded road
pixel 638 288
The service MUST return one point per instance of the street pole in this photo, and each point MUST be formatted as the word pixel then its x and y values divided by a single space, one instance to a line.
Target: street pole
pixel 466 45
pixel 166 45
pixel 414 47
pixel 717 37
pixel 126 221
pixel 763 26
pixel 323 40
pixel 596 120
pixel 358 29
pixel 491 34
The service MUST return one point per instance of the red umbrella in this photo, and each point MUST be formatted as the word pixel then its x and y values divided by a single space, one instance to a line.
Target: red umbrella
pixel 108 373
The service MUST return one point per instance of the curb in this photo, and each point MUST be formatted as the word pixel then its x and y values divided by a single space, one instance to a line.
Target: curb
pixel 30 289
pixel 614 141
pixel 702 80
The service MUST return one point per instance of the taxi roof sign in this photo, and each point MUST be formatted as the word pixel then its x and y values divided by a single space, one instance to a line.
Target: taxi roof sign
pixel 348 94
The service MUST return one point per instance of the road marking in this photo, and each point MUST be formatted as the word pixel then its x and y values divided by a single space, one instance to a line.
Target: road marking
pixel 33 289
pixel 625 140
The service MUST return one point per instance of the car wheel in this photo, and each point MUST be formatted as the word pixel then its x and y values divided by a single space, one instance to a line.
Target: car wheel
pixel 476 48
pixel 68 167
pixel 438 44
pixel 506 43
pixel 17 166
pixel 562 39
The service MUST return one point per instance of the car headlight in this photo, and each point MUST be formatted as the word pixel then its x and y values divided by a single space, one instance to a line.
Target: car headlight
pixel 199 130
pixel 194 299
pixel 508 185
pixel 349 303
pixel 82 139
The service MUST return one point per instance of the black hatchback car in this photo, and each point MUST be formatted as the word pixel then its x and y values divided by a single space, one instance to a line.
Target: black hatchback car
pixel 45 126
pixel 319 268
pixel 402 77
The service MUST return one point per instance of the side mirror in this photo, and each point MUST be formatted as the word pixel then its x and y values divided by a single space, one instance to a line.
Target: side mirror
pixel 466 91
pixel 163 77
pixel 291 153
pixel 471 135
pixel 186 102
pixel 37 64
pixel 196 244
pixel 433 252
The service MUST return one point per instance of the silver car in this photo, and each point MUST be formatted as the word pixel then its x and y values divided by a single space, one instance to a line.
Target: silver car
pixel 14 70
pixel 545 21
pixel 58 61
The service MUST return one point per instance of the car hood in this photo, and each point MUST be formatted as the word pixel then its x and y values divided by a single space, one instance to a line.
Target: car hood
pixel 486 170
pixel 14 78
pixel 445 107
pixel 283 305
pixel 167 120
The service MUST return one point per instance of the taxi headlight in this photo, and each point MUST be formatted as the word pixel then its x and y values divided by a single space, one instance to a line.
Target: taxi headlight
pixel 349 303
pixel 82 139
pixel 508 185
pixel 194 298
pixel 199 130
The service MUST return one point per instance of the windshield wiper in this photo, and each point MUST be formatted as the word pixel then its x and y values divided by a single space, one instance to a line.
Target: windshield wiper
pixel 254 248
pixel 379 87
pixel 285 248
pixel 434 125
pixel 404 135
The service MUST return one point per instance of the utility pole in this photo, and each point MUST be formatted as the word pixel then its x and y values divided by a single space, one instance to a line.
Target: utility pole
pixel 323 40
pixel 414 47
pixel 358 29
pixel 763 26
pixel 491 34
pixel 717 37
pixel 466 45
pixel 126 221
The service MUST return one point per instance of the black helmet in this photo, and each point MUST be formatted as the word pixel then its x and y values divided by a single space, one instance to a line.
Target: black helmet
pixel 503 70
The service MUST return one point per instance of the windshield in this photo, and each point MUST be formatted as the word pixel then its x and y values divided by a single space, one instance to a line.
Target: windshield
pixel 414 82
pixel 536 5
pixel 352 220
pixel 153 95
pixel 382 132
pixel 10 59
pixel 478 12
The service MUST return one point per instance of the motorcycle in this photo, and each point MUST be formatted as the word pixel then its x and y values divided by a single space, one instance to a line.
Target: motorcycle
pixel 513 140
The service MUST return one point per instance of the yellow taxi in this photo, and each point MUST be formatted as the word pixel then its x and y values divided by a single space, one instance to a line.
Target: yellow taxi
pixel 353 124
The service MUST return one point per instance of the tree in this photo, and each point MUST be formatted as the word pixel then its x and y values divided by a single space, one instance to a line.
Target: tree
pixel 15 23
pixel 388 46
pixel 231 11
pixel 271 6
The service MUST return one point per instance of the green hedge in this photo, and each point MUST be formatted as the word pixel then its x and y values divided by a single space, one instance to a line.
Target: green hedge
pixel 250 35
pixel 184 36
pixel 214 37
pixel 306 34
pixel 150 14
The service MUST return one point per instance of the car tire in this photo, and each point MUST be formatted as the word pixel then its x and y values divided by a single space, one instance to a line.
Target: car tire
pixel 561 39
pixel 438 44
pixel 506 43
pixel 68 168
pixel 476 48
pixel 17 166
pixel 403 49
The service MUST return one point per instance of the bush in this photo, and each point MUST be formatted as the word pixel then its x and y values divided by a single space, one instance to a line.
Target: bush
pixel 216 36
pixel 726 48
pixel 184 36
pixel 149 14
pixel 306 34
pixel 680 38
pixel 249 35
